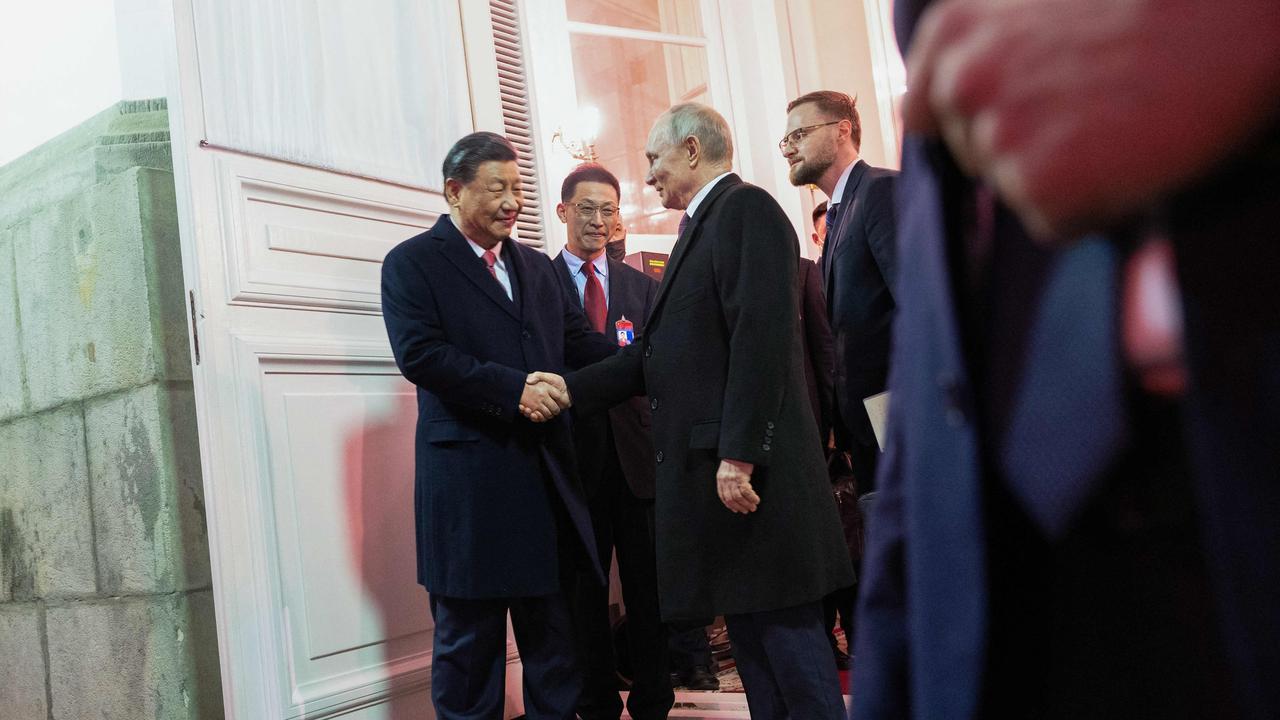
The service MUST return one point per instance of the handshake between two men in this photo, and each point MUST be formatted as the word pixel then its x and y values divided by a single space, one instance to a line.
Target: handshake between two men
pixel 545 396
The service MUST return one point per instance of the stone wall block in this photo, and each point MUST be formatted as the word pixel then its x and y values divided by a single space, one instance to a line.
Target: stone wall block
pixel 22 668
pixel 13 385
pixel 46 532
pixel 148 501
pixel 86 304
pixel 151 658
pixel 158 207
pixel 109 160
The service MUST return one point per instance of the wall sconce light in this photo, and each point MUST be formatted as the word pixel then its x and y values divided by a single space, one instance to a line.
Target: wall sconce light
pixel 578 137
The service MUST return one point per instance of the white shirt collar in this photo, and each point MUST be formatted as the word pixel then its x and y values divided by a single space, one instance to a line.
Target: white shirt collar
pixel 575 263
pixel 475 247
pixel 497 249
pixel 702 194
pixel 838 193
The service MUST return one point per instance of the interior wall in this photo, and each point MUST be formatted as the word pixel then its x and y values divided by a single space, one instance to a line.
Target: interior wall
pixel 845 46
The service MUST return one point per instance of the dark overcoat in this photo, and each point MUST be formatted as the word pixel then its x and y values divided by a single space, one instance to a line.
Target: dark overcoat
pixel 721 360
pixel 492 490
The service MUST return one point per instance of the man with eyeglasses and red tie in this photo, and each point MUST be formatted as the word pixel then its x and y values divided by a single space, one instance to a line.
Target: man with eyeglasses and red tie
pixel 615 459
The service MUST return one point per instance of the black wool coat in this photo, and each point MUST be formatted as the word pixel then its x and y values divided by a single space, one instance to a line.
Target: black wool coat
pixel 721 361
pixel 489 484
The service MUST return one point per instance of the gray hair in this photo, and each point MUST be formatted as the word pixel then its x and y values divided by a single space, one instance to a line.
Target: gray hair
pixel 693 119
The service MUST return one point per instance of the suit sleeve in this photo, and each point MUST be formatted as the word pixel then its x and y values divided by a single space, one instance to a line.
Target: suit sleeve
pixel 425 356
pixel 821 345
pixel 755 259
pixel 598 387
pixel 882 230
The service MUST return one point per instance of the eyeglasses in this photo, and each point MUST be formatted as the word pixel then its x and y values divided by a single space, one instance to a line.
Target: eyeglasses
pixel 794 137
pixel 586 211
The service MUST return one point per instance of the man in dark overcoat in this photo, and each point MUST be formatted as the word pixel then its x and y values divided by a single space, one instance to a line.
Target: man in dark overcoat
pixel 746 526
pixel 469 312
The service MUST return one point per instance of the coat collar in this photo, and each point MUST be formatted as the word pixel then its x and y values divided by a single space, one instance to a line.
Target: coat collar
pixel 455 249
pixel 690 235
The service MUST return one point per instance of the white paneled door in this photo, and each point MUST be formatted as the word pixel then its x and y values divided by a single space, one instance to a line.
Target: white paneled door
pixel 307 140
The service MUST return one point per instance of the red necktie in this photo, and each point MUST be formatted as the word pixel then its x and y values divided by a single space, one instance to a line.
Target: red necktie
pixel 593 299
pixel 489 261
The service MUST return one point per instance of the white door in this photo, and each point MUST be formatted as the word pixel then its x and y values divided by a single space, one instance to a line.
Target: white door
pixel 308 138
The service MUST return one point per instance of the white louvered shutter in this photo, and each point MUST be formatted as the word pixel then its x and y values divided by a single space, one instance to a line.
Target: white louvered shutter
pixel 516 114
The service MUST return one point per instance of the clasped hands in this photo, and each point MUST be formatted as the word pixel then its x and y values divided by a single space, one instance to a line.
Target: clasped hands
pixel 545 396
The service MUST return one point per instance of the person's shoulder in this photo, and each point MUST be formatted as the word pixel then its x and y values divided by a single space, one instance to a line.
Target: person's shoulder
pixel 881 176
pixel 559 262
pixel 529 254
pixel 744 192
pixel 629 273
pixel 415 247
pixel 744 199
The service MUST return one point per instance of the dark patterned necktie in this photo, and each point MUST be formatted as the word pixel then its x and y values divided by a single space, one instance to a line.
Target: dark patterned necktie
pixel 1070 420
pixel 684 223
pixel 829 243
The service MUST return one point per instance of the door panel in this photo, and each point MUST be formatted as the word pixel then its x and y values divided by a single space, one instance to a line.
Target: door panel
pixel 307 140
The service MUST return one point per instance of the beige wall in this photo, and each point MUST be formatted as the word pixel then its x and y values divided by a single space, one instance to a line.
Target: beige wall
pixel 846 46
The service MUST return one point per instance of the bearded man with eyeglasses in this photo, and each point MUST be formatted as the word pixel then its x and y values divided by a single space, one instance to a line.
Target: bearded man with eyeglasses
pixel 821 146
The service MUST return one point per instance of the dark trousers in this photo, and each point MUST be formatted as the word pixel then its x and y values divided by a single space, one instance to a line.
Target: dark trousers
pixel 689 646
pixel 468 668
pixel 623 523
pixel 786 665
pixel 855 435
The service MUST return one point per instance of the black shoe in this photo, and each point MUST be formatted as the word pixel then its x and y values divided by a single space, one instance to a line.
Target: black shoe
pixel 700 678
pixel 842 660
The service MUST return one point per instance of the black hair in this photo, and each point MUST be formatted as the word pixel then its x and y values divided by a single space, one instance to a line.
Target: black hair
pixel 465 157
pixel 587 172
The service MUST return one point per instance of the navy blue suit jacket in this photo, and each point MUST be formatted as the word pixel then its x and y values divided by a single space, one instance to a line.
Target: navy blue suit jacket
pixel 631 293
pixel 858 279
pixel 488 482
pixel 923 613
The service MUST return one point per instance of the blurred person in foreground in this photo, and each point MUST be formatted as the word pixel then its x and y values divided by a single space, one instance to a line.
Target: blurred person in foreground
pixel 1079 500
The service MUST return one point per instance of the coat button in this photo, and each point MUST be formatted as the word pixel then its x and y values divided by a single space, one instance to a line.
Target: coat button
pixel 768 433
pixel 653 403
pixel 658 457
pixel 525 335
pixel 765 447
pixel 648 350
pixel 769 425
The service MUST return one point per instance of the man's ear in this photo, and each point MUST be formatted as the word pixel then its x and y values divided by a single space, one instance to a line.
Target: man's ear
pixel 562 212
pixel 694 148
pixel 452 192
